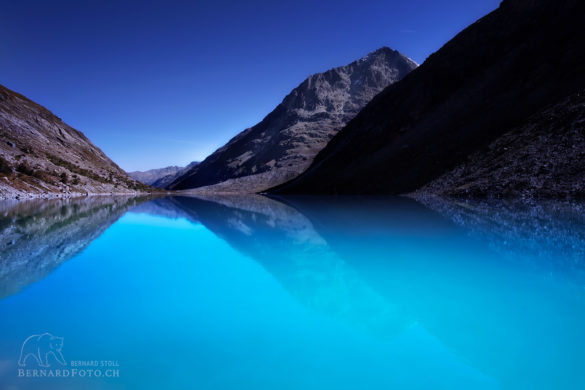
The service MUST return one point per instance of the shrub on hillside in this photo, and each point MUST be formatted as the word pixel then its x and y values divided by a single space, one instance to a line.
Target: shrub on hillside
pixel 5 167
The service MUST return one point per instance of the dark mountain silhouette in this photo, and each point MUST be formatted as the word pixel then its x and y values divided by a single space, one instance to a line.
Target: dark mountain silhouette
pixel 496 75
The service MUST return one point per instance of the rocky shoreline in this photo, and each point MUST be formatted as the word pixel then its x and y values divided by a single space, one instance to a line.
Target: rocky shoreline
pixel 21 195
pixel 7 193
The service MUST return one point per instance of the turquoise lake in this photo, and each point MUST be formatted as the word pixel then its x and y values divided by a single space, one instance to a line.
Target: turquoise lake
pixel 249 292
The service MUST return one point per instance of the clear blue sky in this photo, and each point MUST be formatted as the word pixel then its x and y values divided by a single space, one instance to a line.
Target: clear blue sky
pixel 156 83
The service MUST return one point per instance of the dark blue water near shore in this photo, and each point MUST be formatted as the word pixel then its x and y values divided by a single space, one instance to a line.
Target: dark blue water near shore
pixel 247 292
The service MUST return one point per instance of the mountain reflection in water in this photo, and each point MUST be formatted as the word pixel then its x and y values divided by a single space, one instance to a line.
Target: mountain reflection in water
pixel 37 236
pixel 467 272
pixel 495 287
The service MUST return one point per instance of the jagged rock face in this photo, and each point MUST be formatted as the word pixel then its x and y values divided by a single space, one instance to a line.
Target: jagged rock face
pixel 39 154
pixel 286 141
pixel 160 177
pixel 492 77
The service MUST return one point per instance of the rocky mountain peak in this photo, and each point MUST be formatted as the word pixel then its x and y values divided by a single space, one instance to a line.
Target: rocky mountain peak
pixel 286 141
pixel 385 54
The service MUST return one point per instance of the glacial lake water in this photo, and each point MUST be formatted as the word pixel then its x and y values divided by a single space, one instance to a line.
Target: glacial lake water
pixel 247 292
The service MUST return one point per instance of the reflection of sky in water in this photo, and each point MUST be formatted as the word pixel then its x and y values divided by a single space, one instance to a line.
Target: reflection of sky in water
pixel 248 292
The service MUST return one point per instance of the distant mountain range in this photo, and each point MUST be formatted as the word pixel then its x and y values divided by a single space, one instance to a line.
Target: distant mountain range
pixel 284 144
pixel 161 177
pixel 41 155
pixel 498 111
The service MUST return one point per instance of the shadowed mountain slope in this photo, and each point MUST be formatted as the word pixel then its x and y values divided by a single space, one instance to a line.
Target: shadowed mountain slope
pixel 492 77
